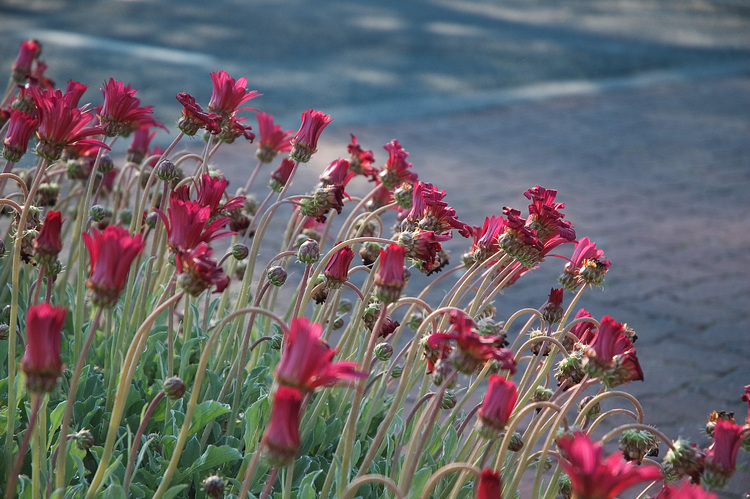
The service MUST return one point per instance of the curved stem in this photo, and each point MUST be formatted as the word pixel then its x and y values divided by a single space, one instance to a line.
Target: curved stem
pixel 441 472
pixel 137 438
pixel 35 405
pixel 362 480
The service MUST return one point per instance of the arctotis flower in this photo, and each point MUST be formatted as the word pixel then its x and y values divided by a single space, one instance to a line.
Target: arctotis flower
pixel 611 356
pixel 594 477
pixel 305 142
pixel 721 456
pixel 228 94
pixel 397 170
pixel 195 118
pixel 20 128
pixel 41 361
pixel 111 252
pixel 210 192
pixel 489 486
pixel 281 439
pixel 360 160
pixel 586 266
pixel 685 490
pixel 337 268
pixel 188 224
pixel 48 243
pixel 390 280
pixel 280 176
pixel 199 271
pixel 271 138
pixel 27 52
pixel 122 112
pixel 306 361
pixel 497 406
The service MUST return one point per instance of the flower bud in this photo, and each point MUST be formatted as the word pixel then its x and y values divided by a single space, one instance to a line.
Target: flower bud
pixel 449 400
pixel 53 268
pixel 383 351
pixel 338 323
pixel 369 252
pixel 594 411
pixel 84 439
pixel 4 331
pixel 106 164
pixel 370 315
pixel 213 487
pixel 125 216
pixel 174 387
pixel 404 195
pixel 276 341
pixel 637 444
pixel 151 220
pixel 564 486
pixel 415 320
pixel 308 252
pixel 542 394
pixel 397 371
pixel 442 371
pixel 167 171
pixel 320 295
pixel 685 459
pixel 240 251
pixel 48 194
pixel 516 442
pixel 277 275
pixel 97 213
pixel 345 306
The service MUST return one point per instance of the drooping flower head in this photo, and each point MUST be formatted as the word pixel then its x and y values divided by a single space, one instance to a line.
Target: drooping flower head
pixel 430 212
pixel 390 280
pixel 228 94
pixel 281 440
pixel 721 456
pixel 188 224
pixel 62 124
pixel 397 170
pixel 41 361
pixel 280 176
pixel 472 349
pixel 360 160
pixel 195 118
pixel 122 113
pixel 684 490
pixel 424 249
pixel 520 241
pixel 139 145
pixel 611 355
pixel 552 310
pixel 111 253
pixel 20 128
pixel 544 215
pixel 594 477
pixel 199 271
pixel 306 359
pixel 337 268
pixel 27 52
pixel 497 406
pixel 210 192
pixel 305 142
pixel 586 266
pixel 329 194
pixel 271 138
pixel 486 241
pixel 489 486
pixel 48 243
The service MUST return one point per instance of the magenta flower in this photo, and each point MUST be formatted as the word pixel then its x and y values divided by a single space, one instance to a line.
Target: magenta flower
pixel 593 477
pixel 122 112
pixel 721 456
pixel 210 192
pixel 48 243
pixel 306 359
pixel 281 439
pixel 361 161
pixel 685 490
pixel 41 361
pixel 199 271
pixel 390 280
pixel 486 241
pixel 74 91
pixel 337 173
pixel 489 486
pixel 305 142
pixel 62 124
pixel 280 176
pixel 397 170
pixel 544 215
pixel 27 52
pixel 497 406
pixel 228 94
pixel 337 268
pixel 139 145
pixel 195 118
pixel 611 355
pixel 187 224
pixel 586 266
pixel 20 128
pixel 111 252
pixel 424 249
pixel 271 139
pixel 430 212
pixel 584 331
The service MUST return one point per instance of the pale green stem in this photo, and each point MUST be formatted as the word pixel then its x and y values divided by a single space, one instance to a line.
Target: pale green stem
pixel 441 472
pixel 10 489
pixel 350 491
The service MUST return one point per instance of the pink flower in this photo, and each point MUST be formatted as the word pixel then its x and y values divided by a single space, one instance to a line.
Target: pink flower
pixel 397 169
pixel 27 52
pixel 199 271
pixel 390 280
pixel 593 477
pixel 544 216
pixel 584 331
pixel 281 439
pixel 306 359
pixel 486 241
pixel 194 117
pixel 139 145
pixel 20 128
pixel 48 243
pixel 111 252
pixel 187 224
pixel 424 248
pixel 337 173
pixel 272 140
pixel 721 456
pixel 337 268
pixel 746 398
pixel 228 94
pixel 211 190
pixel 305 142
pixel 685 490
pixel 489 486
pixel 74 91
pixel 122 112
pixel 497 406
pixel 430 212
pixel 280 176
pixel 62 124
pixel 361 161
pixel 586 266
pixel 41 361
pixel 611 355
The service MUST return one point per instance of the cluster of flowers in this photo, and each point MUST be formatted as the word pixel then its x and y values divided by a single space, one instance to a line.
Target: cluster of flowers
pixel 120 210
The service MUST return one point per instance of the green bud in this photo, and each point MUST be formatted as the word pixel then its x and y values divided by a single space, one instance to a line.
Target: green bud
pixel 338 323
pixel 594 411
pixel 4 332
pixel 345 306
pixel 151 220
pixel 125 216
pixel 449 400
pixel 84 439
pixel 308 252
pixel 276 341
pixel 97 213
pixel 240 251
pixel 637 444
pixel 167 171
pixel 277 275
pixel 383 351
pixel 174 387
pixel 516 442
pixel 106 164
pixel 213 487
pixel 397 371
pixel 542 394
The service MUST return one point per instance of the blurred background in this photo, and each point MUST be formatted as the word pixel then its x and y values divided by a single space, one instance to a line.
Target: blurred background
pixel 637 111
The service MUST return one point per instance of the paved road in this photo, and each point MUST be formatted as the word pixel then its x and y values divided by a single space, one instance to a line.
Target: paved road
pixel 638 112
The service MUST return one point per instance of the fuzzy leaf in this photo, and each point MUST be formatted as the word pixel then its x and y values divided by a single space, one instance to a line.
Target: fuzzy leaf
pixel 212 458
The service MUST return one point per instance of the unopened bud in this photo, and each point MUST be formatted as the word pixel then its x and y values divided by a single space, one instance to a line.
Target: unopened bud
pixel 151 220
pixel 345 306
pixel 637 444
pixel 125 216
pixel 213 487
pixel 240 251
pixel 167 171
pixel 338 323
pixel 4 332
pixel 106 164
pixel 320 294
pixel 403 195
pixel 54 268
pixel 684 459
pixel 383 351
pixel 174 387
pixel 98 213
pixel 276 341
pixel 308 252
pixel 84 439
pixel 565 486
pixel 369 252
pixel 397 371
pixel 516 442
pixel 595 410
pixel 542 394
pixel 415 320
pixel 48 194
pixel 277 275
pixel 449 400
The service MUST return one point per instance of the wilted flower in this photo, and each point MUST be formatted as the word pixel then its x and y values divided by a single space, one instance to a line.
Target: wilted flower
pixel 305 142
pixel 41 361
pixel 199 271
pixel 111 252
pixel 195 118
pixel 397 170
pixel 360 160
pixel 552 311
